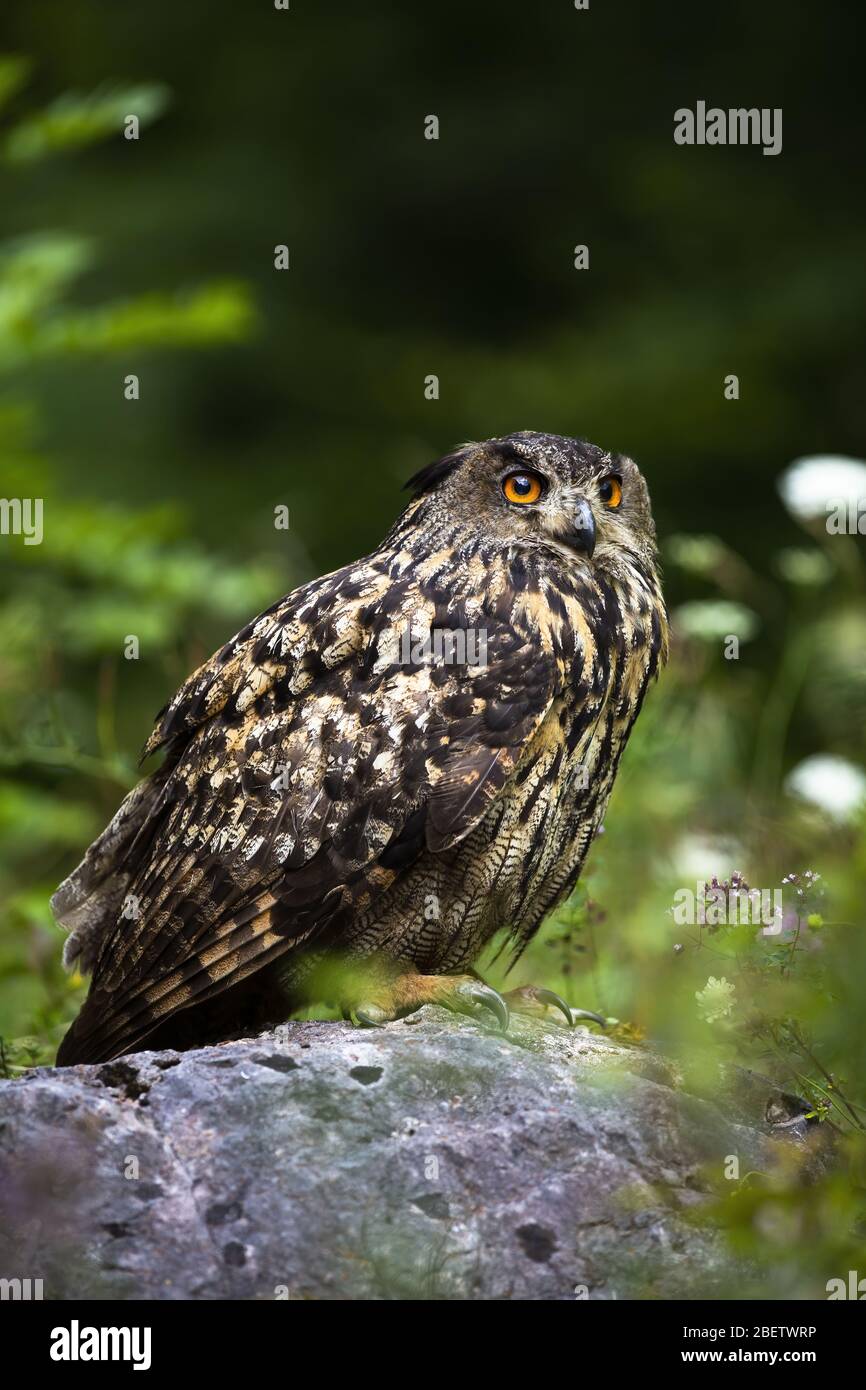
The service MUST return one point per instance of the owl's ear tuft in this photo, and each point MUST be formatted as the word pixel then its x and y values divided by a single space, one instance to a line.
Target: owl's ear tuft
pixel 434 473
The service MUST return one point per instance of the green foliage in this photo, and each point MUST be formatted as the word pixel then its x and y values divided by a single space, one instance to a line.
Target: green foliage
pixel 800 1234
pixel 14 72
pixel 74 121
pixel 73 710
pixel 35 271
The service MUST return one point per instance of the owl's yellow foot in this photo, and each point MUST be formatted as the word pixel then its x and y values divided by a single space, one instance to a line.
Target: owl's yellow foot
pixel 544 1004
pixel 388 1000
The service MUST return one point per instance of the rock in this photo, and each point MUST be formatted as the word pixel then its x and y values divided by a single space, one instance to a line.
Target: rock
pixel 430 1159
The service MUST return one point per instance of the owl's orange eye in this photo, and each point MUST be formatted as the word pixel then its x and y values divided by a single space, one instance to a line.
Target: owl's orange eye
pixel 522 487
pixel 610 491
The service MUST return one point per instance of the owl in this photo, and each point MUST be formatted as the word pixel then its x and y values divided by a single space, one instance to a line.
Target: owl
pixel 384 769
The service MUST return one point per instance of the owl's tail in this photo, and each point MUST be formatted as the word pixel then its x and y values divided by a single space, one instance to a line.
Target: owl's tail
pixel 88 903
pixel 255 1004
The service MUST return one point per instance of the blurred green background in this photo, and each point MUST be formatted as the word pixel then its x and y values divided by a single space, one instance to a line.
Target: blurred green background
pixel 410 257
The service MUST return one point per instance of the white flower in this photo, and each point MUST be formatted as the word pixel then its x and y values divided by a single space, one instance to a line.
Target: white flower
pixel 716 999
pixel 810 486
pixel 831 783
pixel 697 857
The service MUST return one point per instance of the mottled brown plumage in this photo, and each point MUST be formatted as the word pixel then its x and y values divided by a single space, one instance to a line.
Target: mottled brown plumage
pixel 322 795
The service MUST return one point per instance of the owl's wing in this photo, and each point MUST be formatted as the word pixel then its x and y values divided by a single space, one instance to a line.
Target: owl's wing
pixel 311 763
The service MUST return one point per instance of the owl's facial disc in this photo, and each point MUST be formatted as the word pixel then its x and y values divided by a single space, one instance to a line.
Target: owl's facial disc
pixel 535 489
pixel 561 512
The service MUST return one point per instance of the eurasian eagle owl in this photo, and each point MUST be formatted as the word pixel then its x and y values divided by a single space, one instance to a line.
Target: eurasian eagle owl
pixel 386 767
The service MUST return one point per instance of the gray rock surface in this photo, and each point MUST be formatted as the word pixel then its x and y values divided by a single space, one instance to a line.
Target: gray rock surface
pixel 431 1159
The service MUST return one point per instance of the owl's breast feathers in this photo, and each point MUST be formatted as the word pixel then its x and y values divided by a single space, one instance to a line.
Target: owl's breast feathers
pixel 322 751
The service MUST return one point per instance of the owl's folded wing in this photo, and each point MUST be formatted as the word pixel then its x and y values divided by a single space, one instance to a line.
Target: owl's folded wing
pixel 311 762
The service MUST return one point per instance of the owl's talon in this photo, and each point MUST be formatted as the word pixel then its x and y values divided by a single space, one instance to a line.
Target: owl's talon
pixel 489 999
pixel 578 1014
pixel 535 1002
pixel 555 1001
pixel 366 1017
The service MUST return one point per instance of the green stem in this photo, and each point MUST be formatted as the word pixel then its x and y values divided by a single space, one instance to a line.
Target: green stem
pixel 776 717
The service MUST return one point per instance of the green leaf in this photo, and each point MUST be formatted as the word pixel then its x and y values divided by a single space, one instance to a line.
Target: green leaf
pixel 218 313
pixel 73 121
pixel 14 72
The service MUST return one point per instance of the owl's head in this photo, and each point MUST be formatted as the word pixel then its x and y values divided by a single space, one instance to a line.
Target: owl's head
pixel 543 490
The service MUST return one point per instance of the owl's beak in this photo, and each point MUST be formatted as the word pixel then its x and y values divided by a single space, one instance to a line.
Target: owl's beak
pixel 582 537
